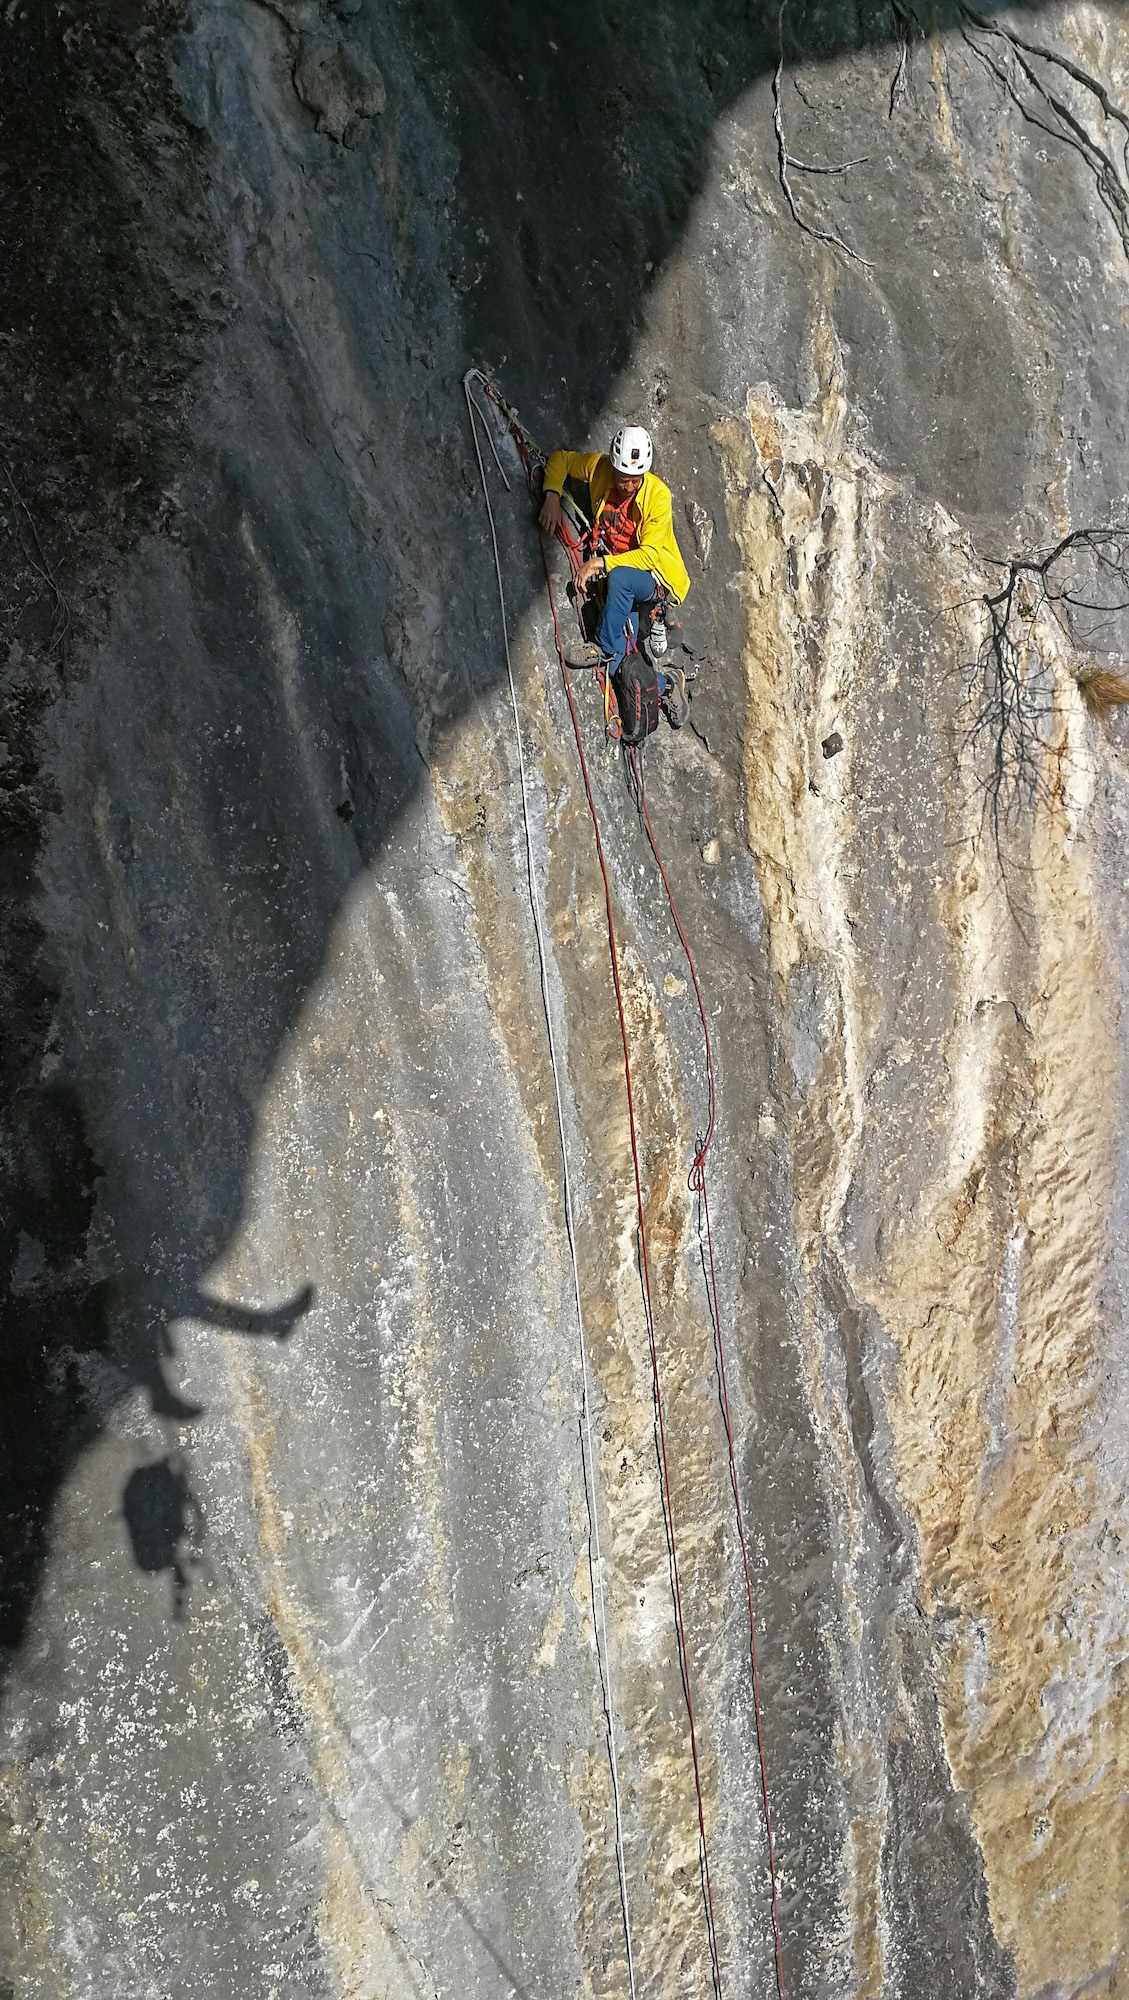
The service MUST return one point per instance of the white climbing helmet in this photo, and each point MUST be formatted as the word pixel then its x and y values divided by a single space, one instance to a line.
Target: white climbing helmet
pixel 631 450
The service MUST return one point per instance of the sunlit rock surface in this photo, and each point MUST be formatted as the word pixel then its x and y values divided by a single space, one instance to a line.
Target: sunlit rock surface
pixel 301 1694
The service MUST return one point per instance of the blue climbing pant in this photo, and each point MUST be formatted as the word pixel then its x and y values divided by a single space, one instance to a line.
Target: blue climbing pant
pixel 629 592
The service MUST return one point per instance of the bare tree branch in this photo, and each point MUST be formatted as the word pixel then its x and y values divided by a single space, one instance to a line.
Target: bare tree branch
pixel 1011 690
pixel 785 163
pixel 802 166
pixel 906 27
pixel 1080 76
pixel 1110 180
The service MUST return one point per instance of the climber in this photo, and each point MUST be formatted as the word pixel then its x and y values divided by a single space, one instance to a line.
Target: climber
pixel 630 543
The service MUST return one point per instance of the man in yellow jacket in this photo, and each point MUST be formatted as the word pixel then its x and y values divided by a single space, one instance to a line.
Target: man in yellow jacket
pixel 633 545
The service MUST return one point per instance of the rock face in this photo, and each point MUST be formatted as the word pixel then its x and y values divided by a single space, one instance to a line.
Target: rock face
pixel 301 1691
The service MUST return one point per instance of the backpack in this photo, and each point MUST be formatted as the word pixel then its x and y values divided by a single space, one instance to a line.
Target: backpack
pixel 637 698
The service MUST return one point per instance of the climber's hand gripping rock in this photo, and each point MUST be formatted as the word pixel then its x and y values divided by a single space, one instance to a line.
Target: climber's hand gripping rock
pixel 550 517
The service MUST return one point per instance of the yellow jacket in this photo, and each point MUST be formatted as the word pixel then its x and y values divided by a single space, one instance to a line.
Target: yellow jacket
pixel 657 549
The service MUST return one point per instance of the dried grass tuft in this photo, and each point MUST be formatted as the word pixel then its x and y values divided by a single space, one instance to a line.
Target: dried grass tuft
pixel 1102 689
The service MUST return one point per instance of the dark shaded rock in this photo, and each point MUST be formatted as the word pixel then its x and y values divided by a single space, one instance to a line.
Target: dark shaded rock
pixel 338 83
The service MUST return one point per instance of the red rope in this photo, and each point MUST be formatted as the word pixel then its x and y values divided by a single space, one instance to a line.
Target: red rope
pixel 698 1184
pixel 660 1424
pixel 699 1187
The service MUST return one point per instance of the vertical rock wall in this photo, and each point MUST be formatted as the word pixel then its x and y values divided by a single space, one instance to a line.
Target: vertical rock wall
pixel 301 1691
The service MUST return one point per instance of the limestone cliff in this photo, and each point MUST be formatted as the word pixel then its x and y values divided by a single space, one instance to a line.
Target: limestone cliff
pixel 300 1688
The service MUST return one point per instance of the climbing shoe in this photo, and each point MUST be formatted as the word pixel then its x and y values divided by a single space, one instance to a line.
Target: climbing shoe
pixel 656 637
pixel 586 656
pixel 675 701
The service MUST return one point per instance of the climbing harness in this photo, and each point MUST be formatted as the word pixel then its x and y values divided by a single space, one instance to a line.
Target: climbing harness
pixel 571 536
pixel 612 529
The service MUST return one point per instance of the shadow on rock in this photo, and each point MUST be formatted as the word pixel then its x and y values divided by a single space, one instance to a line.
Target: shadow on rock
pixel 165 1523
pixel 578 152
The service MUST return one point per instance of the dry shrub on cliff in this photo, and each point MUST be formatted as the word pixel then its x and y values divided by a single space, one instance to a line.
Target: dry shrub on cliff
pixel 1101 689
